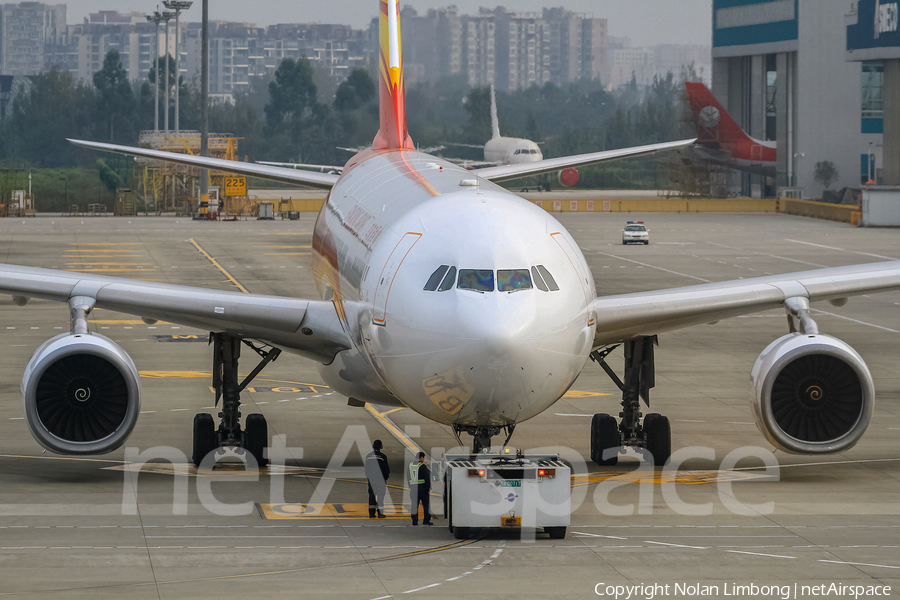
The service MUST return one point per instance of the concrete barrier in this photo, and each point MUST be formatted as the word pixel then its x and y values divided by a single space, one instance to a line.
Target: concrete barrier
pixel 659 205
pixel 843 213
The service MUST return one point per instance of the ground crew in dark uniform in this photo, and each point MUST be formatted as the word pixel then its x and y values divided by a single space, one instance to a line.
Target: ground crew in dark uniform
pixel 419 478
pixel 377 472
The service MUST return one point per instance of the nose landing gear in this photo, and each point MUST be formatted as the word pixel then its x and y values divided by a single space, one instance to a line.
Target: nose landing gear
pixel 253 438
pixel 482 435
pixel 654 434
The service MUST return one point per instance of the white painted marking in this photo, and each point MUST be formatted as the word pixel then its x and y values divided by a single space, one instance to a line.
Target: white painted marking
pixel 657 268
pixel 842 249
pixel 17 418
pixel 677 545
pixel 822 312
pixel 572 415
pixel 422 588
pixel 688 421
pixel 610 537
pixel 760 554
pixel 816 464
pixel 841 562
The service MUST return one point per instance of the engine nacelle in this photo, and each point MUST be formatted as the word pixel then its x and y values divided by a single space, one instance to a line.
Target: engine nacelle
pixel 568 177
pixel 811 394
pixel 82 394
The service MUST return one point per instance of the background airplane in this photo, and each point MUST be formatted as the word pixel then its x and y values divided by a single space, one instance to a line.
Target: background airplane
pixel 502 150
pixel 443 293
pixel 720 139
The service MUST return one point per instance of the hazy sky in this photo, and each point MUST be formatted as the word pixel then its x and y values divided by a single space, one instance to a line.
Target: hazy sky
pixel 646 22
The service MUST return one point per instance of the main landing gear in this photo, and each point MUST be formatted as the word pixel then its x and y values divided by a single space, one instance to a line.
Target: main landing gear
pixel 253 439
pixel 654 434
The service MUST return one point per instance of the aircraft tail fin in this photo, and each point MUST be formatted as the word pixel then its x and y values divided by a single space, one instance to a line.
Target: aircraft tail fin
pixel 495 121
pixel 393 134
pixel 715 127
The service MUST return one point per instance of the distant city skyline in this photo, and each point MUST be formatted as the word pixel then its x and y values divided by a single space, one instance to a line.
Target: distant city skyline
pixel 646 22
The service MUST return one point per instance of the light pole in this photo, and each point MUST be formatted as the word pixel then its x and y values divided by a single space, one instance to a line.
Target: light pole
pixel 177 6
pixel 156 17
pixel 167 16
pixel 204 99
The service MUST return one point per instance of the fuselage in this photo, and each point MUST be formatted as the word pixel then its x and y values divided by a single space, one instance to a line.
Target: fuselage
pixel 464 303
pixel 511 151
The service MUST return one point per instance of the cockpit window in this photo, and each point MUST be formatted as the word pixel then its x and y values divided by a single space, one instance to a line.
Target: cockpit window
pixel 512 280
pixel 449 280
pixel 537 280
pixel 479 280
pixel 436 278
pixel 548 278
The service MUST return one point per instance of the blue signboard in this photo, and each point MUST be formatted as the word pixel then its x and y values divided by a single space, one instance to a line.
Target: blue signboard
pixel 876 25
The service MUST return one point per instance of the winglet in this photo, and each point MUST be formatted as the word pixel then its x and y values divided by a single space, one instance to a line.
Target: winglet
pixel 495 121
pixel 392 134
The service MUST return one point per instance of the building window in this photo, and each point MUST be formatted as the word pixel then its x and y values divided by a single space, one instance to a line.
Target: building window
pixel 873 96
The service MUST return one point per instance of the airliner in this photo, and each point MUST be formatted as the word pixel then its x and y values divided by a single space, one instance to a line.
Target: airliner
pixel 502 150
pixel 719 138
pixel 441 292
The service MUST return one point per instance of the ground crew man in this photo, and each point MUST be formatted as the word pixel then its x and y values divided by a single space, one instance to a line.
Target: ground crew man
pixel 419 478
pixel 377 472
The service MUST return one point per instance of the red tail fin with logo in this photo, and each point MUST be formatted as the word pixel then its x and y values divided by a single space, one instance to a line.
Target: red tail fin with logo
pixel 392 134
pixel 715 126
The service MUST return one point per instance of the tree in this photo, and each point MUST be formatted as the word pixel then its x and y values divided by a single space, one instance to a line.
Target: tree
pixel 116 103
pixel 50 109
pixel 292 104
pixel 355 92
pixel 108 175
pixel 826 173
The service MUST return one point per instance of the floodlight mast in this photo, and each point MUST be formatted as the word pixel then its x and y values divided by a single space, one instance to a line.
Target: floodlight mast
pixel 204 99
pixel 177 6
pixel 167 16
pixel 156 17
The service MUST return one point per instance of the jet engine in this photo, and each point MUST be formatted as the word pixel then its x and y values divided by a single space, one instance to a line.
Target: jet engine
pixel 568 177
pixel 81 394
pixel 811 394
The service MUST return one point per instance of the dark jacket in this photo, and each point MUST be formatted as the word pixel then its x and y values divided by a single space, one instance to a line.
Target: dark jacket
pixel 377 468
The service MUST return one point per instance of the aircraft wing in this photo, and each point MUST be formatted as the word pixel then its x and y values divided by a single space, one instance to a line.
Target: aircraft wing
pixel 307 327
pixel 320 168
pixel 549 165
pixel 627 316
pixel 292 176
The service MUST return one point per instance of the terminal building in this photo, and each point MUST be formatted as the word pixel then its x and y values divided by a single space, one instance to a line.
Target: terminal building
pixel 814 76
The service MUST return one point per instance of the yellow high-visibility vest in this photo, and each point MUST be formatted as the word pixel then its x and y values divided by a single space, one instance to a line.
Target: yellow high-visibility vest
pixel 414 478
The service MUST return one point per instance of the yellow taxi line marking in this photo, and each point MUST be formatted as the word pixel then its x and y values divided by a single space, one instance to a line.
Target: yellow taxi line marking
pixel 115 270
pixel 100 460
pixel 395 431
pixel 125 322
pixel 218 266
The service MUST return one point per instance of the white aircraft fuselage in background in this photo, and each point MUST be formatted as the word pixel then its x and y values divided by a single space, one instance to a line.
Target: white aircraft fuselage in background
pixel 454 356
